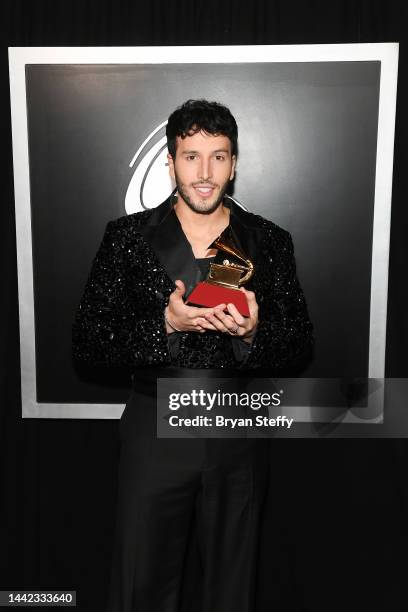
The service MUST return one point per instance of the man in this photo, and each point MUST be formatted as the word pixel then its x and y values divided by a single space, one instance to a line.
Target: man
pixel 133 313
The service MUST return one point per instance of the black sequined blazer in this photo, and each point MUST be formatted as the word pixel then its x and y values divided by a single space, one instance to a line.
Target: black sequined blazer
pixel 120 320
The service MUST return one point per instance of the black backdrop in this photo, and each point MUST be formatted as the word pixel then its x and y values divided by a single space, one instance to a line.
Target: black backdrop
pixel 337 512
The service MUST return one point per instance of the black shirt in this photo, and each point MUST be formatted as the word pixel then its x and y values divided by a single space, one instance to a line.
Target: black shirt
pixel 204 265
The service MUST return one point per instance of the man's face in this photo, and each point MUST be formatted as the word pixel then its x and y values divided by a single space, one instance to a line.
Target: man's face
pixel 202 169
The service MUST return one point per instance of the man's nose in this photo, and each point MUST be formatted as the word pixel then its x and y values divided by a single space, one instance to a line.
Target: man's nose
pixel 205 169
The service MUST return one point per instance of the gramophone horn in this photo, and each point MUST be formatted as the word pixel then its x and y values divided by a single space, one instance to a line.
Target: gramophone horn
pixel 225 242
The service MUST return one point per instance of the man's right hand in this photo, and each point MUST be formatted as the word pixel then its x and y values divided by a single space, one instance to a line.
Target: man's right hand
pixel 185 318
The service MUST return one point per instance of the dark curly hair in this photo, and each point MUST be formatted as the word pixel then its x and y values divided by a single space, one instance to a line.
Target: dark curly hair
pixel 196 115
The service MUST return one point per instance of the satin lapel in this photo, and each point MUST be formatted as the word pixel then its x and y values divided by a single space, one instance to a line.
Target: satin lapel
pixel 165 236
pixel 245 231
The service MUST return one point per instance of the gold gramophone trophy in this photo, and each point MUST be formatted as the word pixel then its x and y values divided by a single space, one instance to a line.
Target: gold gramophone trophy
pixel 224 280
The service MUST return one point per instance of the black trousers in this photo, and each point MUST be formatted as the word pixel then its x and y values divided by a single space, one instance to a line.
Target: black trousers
pixel 163 485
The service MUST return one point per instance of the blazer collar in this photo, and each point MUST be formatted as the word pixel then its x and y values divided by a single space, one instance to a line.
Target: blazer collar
pixel 164 233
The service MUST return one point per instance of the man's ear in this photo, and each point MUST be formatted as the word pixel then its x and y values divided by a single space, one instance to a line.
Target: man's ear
pixel 234 163
pixel 170 162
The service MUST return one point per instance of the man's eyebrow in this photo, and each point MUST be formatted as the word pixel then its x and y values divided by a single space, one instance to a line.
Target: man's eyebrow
pixel 197 152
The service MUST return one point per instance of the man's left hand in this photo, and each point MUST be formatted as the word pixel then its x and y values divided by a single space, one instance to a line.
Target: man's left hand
pixel 234 323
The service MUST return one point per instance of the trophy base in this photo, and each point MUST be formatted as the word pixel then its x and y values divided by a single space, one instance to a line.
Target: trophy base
pixel 209 295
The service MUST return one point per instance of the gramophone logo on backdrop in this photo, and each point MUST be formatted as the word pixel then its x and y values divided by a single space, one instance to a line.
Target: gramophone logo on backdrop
pixel 151 183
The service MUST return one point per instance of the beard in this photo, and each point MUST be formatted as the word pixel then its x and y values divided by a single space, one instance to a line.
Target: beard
pixel 203 207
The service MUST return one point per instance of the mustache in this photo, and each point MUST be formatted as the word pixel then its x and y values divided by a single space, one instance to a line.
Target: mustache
pixel 204 184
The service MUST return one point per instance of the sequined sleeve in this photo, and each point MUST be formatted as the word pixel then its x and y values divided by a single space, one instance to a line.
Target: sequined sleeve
pixel 284 333
pixel 107 329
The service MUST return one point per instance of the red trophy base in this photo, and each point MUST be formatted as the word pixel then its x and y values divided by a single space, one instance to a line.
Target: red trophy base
pixel 209 295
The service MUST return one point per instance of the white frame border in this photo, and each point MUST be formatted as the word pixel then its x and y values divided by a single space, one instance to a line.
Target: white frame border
pixel 386 53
